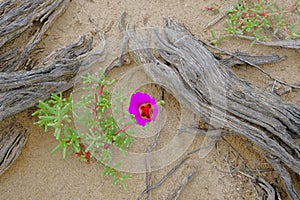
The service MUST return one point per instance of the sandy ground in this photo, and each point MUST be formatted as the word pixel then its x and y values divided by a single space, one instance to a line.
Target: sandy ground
pixel 38 174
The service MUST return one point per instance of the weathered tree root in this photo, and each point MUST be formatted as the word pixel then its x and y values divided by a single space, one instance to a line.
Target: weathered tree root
pixel 13 137
pixel 290 44
pixel 185 67
pixel 19 16
pixel 21 89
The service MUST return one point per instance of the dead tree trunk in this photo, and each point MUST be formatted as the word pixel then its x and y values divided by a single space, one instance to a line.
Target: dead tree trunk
pixel 185 67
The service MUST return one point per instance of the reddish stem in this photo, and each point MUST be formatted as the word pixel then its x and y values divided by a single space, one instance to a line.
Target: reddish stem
pixel 123 129
pixel 106 146
pixel 291 8
pixel 87 156
pixel 101 89
pixel 286 30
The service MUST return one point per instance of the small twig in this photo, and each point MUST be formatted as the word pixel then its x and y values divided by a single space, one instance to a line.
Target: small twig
pixel 248 175
pixel 291 44
pixel 240 156
pixel 255 190
pixel 201 148
pixel 148 173
pixel 255 59
pixel 121 22
pixel 272 193
pixel 225 172
pixel 177 191
pixel 109 27
pixel 253 65
pixel 218 149
pixel 227 164
pixel 216 20
pixel 272 90
pixel 164 178
pixel 284 90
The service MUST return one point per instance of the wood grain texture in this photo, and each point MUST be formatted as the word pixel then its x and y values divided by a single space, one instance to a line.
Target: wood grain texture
pixel 13 137
pixel 19 16
pixel 21 87
pixel 187 69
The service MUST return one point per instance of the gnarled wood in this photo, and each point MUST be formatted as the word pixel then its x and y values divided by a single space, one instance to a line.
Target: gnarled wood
pixel 23 89
pixel 19 88
pixel 18 16
pixel 13 137
pixel 185 67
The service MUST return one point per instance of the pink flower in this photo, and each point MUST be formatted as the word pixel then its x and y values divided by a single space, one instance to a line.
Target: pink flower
pixel 143 107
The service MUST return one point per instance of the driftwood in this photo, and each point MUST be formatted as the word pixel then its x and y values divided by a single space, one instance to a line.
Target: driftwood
pixel 12 138
pixel 21 88
pixel 289 44
pixel 186 68
pixel 237 58
pixel 19 16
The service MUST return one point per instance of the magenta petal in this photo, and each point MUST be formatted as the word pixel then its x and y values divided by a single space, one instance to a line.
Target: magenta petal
pixel 136 101
pixel 155 112
pixel 141 121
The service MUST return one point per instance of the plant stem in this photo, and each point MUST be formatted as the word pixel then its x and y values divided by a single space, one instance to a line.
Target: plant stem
pixel 123 129
pixel 101 89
